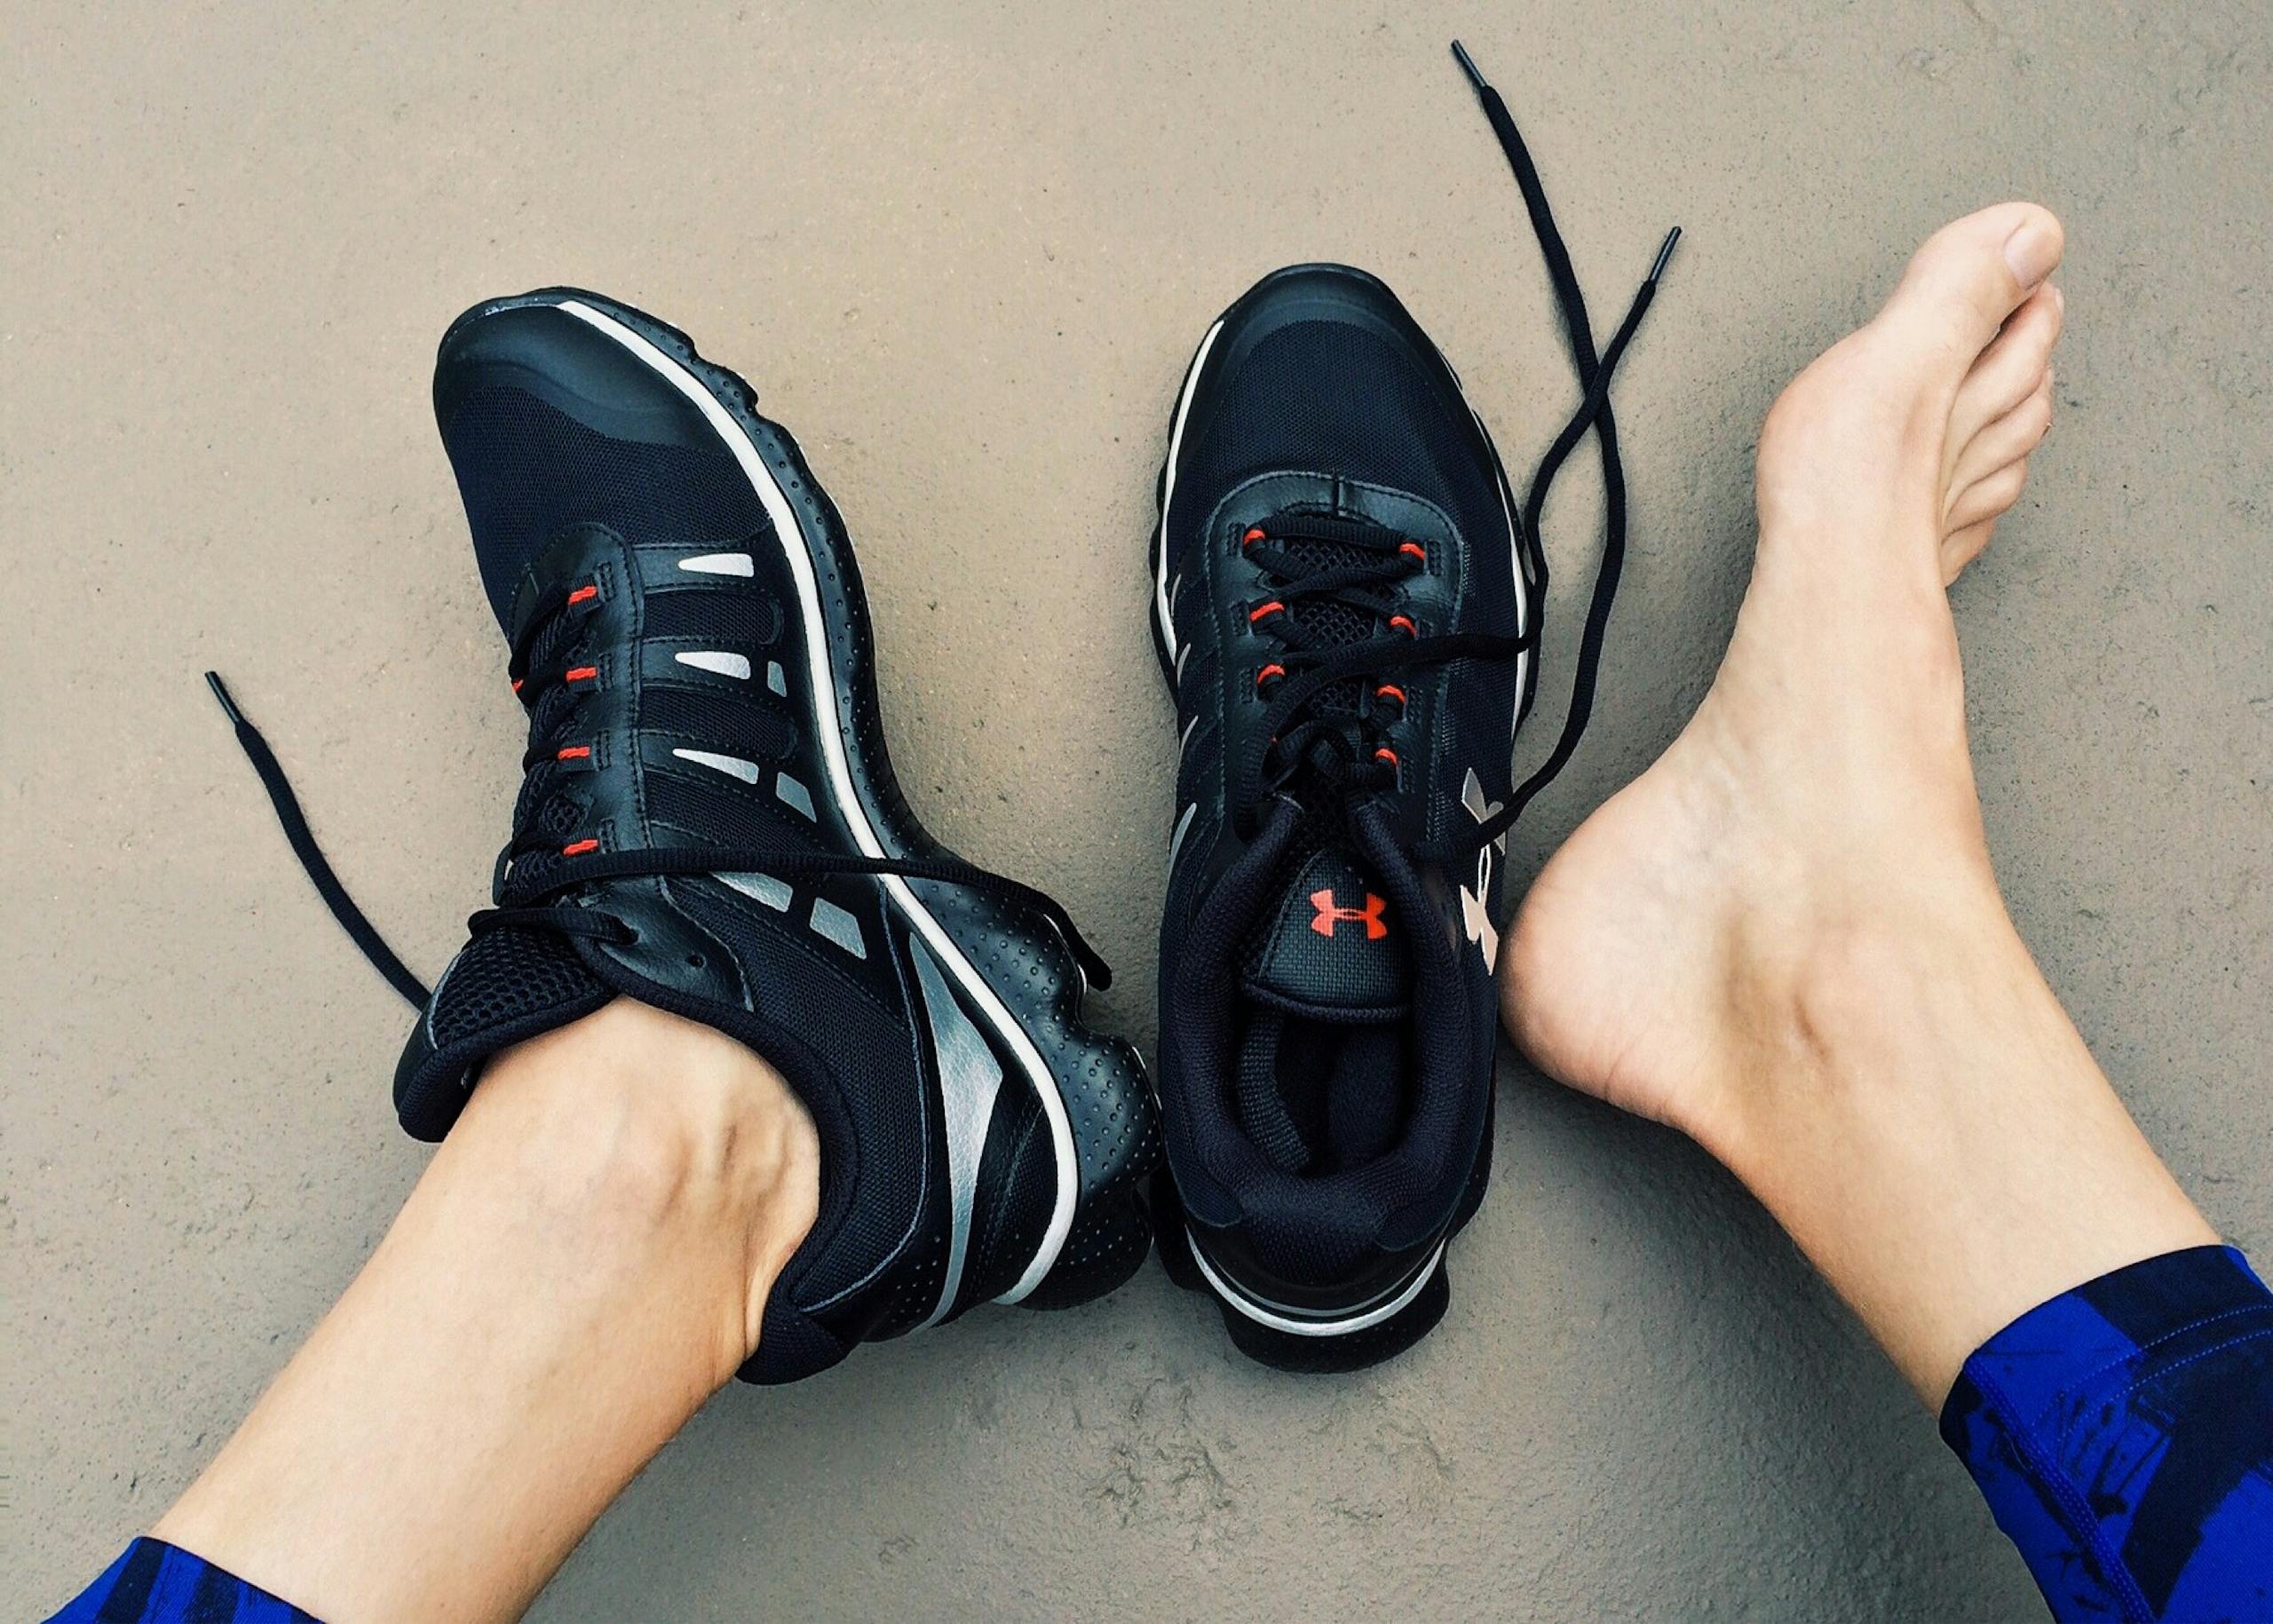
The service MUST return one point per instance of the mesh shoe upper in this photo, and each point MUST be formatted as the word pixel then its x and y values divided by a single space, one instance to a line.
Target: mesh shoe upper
pixel 1320 378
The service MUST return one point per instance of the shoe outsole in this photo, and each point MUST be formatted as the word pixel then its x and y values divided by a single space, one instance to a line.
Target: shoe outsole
pixel 1098 1090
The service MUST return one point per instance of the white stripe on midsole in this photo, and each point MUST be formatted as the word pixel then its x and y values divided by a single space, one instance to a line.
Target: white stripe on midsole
pixel 848 802
pixel 1314 1327
pixel 1167 489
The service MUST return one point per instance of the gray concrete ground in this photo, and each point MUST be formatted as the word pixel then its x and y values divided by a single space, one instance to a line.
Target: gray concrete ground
pixel 964 252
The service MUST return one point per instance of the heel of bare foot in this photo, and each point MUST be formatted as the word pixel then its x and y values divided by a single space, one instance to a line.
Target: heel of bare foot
pixel 1785 937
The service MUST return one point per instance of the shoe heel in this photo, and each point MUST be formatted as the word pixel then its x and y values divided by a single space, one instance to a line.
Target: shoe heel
pixel 1284 1350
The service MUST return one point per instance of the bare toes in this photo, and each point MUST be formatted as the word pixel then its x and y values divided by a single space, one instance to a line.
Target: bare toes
pixel 1970 277
pixel 2006 440
pixel 2009 368
pixel 1961 547
pixel 1986 499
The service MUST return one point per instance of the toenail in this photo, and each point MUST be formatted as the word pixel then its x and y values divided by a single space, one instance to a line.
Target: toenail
pixel 2031 252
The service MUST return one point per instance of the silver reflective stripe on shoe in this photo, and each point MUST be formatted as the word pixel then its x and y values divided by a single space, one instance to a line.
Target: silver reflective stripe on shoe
pixel 1183 827
pixel 718 563
pixel 732 767
pixel 736 666
pixel 970 1080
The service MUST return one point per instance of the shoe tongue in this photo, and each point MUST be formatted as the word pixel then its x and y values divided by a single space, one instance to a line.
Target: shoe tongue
pixel 1327 973
pixel 1330 945
pixel 1332 621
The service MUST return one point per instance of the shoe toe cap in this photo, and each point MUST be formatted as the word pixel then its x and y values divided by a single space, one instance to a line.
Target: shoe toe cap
pixel 577 366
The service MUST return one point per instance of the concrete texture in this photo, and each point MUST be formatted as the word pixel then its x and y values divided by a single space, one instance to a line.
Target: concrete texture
pixel 964 252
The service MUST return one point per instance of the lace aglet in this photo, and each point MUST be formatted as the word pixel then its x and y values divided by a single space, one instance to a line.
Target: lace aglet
pixel 1658 265
pixel 228 705
pixel 1467 65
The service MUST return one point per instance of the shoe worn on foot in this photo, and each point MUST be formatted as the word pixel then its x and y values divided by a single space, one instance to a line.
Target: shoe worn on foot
pixel 708 824
pixel 1346 609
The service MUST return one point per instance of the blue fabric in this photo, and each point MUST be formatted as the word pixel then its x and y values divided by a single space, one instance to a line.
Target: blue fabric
pixel 2123 1435
pixel 156 1583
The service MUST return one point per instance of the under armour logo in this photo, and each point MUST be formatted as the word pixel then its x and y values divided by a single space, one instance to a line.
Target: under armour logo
pixel 1327 913
pixel 1476 914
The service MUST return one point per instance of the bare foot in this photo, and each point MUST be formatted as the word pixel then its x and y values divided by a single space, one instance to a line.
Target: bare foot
pixel 1785 937
pixel 1827 772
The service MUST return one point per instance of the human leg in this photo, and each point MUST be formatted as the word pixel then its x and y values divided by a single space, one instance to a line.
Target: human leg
pixel 582 1265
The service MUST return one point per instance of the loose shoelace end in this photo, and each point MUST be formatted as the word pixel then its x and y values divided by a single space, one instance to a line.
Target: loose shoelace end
pixel 1658 265
pixel 295 823
pixel 221 693
pixel 1467 65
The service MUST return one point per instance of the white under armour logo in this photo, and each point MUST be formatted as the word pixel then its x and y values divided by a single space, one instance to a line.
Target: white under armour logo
pixel 1475 916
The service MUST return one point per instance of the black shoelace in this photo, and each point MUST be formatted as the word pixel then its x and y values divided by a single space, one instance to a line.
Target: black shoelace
pixel 1315 723
pixel 1327 693
pixel 539 903
pixel 1594 412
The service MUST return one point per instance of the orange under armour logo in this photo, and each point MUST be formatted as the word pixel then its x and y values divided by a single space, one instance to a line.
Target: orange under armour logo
pixel 1323 902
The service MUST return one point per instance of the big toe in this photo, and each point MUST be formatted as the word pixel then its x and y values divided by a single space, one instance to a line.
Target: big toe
pixel 1968 277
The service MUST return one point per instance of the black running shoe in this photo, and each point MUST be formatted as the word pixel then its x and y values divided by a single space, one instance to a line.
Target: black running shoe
pixel 1347 602
pixel 708 824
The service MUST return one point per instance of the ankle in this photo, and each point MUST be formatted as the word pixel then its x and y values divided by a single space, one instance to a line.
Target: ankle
pixel 1833 994
pixel 1918 1114
pixel 642 1131
pixel 579 1268
pixel 1800 968
pixel 1821 990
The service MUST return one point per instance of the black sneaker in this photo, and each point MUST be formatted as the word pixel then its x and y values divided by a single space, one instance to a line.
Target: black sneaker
pixel 1346 606
pixel 709 825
